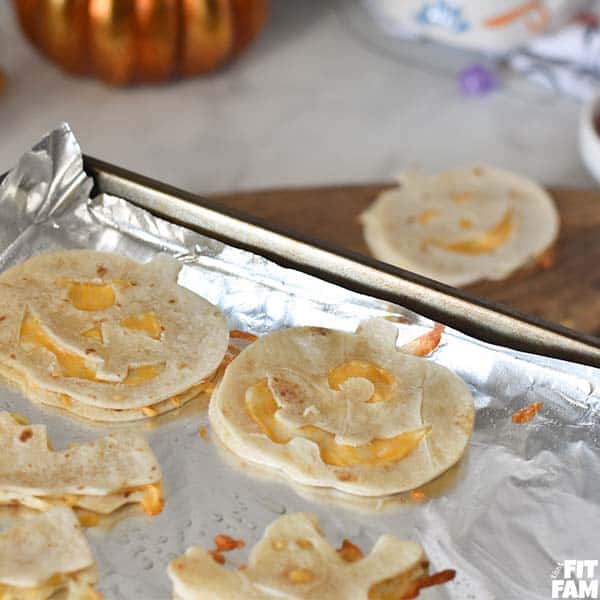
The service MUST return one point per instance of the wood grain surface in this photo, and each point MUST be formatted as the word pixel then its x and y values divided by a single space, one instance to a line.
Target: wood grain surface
pixel 568 292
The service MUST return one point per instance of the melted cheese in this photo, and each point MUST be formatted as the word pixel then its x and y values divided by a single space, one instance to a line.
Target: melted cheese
pixel 153 502
pixel 262 407
pixel 300 575
pixel 72 365
pixel 149 496
pixel 69 364
pixel 195 389
pixel 91 296
pixel 382 380
pixel 19 419
pixel 45 590
pixel 95 333
pixel 484 243
pixel 75 581
pixel 147 323
pixel 393 588
pixel 427 215
pixel 87 518
pixel 149 411
pixel 349 552
pixel 143 374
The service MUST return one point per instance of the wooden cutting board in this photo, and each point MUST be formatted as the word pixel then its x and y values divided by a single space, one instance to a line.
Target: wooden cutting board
pixel 566 293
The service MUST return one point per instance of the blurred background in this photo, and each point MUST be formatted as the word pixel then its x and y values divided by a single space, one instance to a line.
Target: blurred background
pixel 309 93
pixel 317 98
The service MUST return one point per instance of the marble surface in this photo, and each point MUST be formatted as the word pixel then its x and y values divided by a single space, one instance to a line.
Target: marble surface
pixel 311 103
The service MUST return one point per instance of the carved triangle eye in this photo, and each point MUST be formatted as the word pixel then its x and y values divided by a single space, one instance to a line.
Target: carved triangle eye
pixel 94 333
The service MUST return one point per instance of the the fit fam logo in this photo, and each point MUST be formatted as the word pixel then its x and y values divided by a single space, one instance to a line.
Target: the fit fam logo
pixel 576 579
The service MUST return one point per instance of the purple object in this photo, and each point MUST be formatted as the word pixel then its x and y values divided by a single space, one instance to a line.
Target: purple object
pixel 476 80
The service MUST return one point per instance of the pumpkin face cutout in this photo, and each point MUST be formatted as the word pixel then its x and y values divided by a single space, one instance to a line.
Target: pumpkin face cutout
pixel 294 560
pixel 125 41
pixel 462 225
pixel 347 411
pixel 105 331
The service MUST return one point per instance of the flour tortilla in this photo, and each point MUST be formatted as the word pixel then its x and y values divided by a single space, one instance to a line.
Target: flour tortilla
pixel 192 343
pixel 295 542
pixel 424 395
pixel 93 413
pixel 404 225
pixel 101 505
pixel 107 415
pixel 105 467
pixel 44 554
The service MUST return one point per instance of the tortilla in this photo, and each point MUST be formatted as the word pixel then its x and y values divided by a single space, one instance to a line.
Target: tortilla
pixel 342 410
pixel 93 413
pixel 46 554
pixel 462 225
pixel 294 560
pixel 100 476
pixel 81 328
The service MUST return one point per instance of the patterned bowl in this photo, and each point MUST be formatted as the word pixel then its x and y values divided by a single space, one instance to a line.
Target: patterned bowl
pixel 495 26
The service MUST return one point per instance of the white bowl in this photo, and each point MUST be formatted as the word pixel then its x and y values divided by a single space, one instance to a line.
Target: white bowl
pixel 589 137
pixel 496 26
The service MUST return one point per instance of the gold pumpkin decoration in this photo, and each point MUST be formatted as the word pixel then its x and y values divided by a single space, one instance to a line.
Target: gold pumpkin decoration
pixel 126 41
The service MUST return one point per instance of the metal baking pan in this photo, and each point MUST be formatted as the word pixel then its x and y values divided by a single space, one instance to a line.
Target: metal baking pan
pixel 474 316
pixel 522 500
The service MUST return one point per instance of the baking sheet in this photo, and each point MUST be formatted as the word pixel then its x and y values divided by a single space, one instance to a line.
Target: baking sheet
pixel 525 497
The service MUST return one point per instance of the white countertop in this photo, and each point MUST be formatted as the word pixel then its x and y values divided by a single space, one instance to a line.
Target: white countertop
pixel 310 103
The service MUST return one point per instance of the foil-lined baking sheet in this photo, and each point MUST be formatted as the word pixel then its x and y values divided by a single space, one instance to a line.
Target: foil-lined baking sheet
pixel 524 498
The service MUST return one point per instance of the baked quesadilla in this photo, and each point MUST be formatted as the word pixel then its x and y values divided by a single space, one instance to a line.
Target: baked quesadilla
pixel 294 560
pixel 462 225
pixel 344 410
pixel 105 337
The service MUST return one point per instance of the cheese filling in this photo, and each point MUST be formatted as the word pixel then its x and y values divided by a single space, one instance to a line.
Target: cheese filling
pixel 73 365
pixel 383 381
pixel 91 296
pixel 94 333
pixel 69 364
pixel 484 243
pixel 82 580
pixel 149 496
pixel 262 407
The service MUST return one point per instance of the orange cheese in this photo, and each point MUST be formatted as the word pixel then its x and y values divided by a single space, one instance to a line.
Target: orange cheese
pixel 262 407
pixel 427 215
pixel 94 333
pixel 91 296
pixel 382 380
pixel 484 243
pixel 70 365
pixel 153 501
pixel 139 375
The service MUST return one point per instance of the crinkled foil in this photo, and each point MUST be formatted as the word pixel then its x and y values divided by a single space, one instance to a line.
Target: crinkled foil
pixel 524 498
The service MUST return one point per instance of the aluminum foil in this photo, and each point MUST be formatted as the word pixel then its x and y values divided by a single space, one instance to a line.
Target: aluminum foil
pixel 524 498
